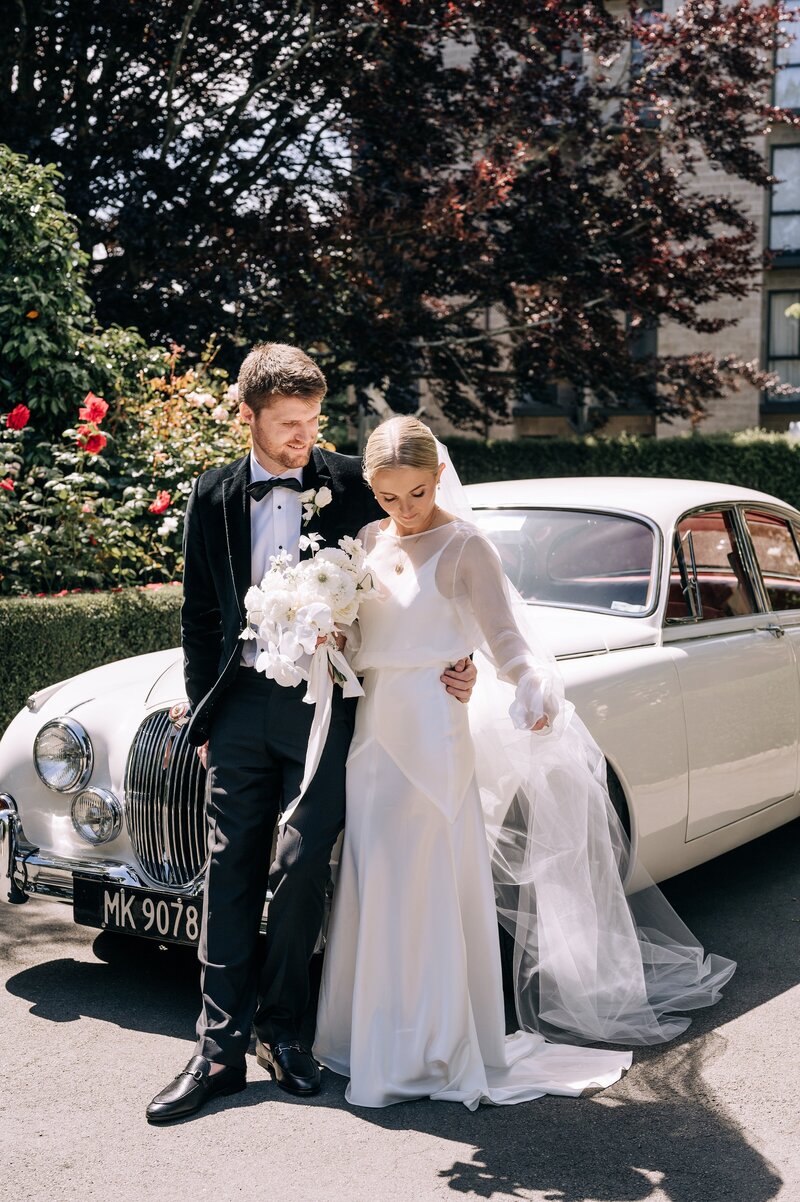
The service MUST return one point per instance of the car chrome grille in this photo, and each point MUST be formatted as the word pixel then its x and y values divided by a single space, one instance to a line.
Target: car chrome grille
pixel 165 802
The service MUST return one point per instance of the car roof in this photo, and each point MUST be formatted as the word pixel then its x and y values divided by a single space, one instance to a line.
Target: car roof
pixel 658 498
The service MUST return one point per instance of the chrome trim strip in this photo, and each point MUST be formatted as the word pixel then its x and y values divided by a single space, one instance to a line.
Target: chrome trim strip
pixel 51 876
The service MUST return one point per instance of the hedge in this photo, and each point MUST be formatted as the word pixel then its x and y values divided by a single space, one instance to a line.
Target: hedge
pixel 50 638
pixel 751 458
pixel 45 639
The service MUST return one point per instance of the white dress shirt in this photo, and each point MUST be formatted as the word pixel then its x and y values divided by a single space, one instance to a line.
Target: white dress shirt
pixel 275 526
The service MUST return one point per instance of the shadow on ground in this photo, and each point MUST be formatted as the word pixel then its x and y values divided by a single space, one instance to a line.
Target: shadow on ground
pixel 660 1132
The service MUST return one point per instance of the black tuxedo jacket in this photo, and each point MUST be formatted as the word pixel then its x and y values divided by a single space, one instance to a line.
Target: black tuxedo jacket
pixel 217 566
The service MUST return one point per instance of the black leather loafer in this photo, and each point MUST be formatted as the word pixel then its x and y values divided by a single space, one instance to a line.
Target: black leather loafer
pixel 292 1066
pixel 192 1088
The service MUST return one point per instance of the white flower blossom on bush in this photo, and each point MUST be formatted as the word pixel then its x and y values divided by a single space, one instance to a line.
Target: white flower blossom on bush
pixel 168 526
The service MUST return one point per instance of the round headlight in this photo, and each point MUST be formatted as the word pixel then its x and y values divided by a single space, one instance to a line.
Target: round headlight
pixel 97 816
pixel 62 755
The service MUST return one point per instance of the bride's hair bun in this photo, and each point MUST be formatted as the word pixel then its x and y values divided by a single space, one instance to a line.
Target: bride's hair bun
pixel 400 442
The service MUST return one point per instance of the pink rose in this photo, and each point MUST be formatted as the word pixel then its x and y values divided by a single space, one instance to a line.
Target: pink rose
pixel 94 409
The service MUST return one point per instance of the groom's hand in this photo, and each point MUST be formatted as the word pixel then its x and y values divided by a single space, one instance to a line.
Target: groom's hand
pixel 460 679
pixel 202 754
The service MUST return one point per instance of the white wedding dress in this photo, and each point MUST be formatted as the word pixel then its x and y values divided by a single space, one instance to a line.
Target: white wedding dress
pixel 411 1003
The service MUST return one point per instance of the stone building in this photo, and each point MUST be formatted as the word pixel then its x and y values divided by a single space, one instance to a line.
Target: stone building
pixel 763 332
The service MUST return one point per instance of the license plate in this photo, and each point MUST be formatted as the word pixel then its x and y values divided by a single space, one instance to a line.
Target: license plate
pixel 136 911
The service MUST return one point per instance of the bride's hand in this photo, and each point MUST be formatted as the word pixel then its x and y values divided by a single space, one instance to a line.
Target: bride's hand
pixel 339 638
pixel 542 724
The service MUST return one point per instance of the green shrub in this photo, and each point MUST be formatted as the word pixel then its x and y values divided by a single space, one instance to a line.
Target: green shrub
pixel 751 458
pixel 53 349
pixel 45 639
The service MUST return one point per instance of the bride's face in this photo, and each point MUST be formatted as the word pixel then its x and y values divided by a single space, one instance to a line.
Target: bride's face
pixel 408 495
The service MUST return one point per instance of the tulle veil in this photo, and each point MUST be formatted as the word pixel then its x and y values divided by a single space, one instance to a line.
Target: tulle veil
pixel 599 954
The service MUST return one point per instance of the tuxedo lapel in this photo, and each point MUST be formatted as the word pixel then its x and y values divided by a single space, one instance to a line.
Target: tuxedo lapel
pixel 236 513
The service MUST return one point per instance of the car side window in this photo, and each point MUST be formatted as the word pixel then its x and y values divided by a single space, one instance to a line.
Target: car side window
pixel 776 550
pixel 708 578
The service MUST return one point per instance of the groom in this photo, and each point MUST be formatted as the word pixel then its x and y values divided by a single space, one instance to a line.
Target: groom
pixel 252 734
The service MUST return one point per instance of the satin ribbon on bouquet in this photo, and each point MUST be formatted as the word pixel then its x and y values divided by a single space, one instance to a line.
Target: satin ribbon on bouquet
pixel 326 660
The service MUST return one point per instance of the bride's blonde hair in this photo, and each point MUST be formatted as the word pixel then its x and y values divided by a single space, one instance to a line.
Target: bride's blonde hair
pixel 400 442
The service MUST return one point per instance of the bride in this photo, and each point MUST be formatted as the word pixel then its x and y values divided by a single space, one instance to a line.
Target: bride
pixel 458 816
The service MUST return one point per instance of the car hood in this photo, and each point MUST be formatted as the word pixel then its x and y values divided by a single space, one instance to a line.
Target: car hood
pixel 568 632
pixel 157 679
pixel 138 678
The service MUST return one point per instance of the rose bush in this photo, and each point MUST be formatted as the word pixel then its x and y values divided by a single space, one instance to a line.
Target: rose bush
pixel 103 507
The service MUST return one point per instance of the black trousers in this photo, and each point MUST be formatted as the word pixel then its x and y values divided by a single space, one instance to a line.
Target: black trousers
pixel 256 756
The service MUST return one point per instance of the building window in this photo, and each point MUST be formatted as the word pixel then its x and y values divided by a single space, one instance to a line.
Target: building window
pixel 787 59
pixel 784 217
pixel 643 338
pixel 783 356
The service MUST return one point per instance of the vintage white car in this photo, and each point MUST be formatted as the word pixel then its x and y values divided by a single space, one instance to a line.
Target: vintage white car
pixel 673 606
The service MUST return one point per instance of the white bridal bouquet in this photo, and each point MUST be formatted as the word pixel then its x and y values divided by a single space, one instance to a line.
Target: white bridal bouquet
pixel 294 614
pixel 296 605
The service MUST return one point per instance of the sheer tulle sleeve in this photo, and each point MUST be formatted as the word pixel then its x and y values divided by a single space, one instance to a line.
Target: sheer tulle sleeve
pixel 480 584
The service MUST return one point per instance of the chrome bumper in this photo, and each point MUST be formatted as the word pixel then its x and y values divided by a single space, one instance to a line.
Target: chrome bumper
pixel 26 872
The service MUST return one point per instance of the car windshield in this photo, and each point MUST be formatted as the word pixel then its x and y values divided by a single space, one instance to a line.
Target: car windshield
pixel 574 558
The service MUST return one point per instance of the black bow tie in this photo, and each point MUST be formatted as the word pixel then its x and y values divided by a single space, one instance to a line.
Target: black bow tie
pixel 259 488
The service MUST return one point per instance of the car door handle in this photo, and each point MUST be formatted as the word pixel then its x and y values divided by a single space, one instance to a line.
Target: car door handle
pixel 776 630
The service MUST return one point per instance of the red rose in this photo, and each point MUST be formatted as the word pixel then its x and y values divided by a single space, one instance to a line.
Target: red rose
pixel 94 408
pixel 90 441
pixel 7 484
pixel 161 503
pixel 18 417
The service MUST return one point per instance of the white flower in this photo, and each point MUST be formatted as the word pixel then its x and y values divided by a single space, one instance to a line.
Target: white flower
pixel 327 581
pixel 168 526
pixel 277 606
pixel 317 616
pixel 232 394
pixel 311 540
pixel 313 501
pixel 347 614
pixel 278 667
pixel 336 555
pixel 220 414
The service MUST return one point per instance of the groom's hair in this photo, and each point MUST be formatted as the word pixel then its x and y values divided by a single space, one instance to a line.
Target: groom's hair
pixel 273 369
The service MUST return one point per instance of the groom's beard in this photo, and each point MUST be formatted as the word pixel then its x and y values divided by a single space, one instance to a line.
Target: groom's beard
pixel 288 457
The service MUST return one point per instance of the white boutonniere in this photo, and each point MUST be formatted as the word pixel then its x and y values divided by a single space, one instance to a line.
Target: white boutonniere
pixel 312 501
